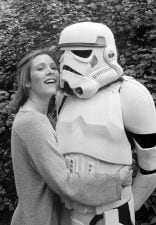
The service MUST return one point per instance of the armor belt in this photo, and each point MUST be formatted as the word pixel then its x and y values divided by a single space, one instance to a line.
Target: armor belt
pixel 82 164
pixel 123 214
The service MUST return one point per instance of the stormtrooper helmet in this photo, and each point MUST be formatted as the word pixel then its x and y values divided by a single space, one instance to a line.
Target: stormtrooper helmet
pixel 89 59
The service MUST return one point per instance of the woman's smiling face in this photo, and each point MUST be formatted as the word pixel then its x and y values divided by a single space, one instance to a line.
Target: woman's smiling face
pixel 43 76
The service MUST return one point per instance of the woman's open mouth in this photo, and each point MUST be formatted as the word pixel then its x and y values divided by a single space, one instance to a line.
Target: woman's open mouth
pixel 50 81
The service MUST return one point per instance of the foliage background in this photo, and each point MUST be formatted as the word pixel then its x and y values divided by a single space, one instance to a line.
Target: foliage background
pixel 30 24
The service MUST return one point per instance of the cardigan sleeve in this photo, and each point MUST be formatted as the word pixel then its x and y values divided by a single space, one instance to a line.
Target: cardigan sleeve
pixel 92 189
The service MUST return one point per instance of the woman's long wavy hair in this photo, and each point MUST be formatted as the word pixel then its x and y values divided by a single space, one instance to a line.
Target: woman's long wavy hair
pixel 23 77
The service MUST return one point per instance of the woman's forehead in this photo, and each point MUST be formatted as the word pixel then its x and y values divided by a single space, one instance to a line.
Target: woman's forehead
pixel 43 58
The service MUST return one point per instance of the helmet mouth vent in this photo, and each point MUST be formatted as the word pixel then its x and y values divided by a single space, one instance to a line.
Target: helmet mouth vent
pixel 67 89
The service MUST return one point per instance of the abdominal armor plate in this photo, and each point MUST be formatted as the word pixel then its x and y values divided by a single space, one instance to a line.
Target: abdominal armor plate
pixel 94 127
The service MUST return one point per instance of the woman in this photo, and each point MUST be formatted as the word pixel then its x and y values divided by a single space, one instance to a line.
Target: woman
pixel 40 170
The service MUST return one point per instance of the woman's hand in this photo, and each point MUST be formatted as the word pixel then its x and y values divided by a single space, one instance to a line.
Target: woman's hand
pixel 125 174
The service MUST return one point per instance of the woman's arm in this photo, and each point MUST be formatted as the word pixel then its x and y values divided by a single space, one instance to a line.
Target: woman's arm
pixel 91 189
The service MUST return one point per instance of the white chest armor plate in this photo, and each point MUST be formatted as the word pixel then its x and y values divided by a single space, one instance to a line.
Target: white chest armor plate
pixel 94 127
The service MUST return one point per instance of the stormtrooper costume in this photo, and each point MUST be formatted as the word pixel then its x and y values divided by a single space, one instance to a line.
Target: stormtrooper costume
pixel 99 106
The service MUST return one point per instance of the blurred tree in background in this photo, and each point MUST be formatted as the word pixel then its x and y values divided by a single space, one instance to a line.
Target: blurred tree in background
pixel 31 24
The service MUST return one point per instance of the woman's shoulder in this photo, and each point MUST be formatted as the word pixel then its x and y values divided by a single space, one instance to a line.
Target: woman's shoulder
pixel 30 124
pixel 29 118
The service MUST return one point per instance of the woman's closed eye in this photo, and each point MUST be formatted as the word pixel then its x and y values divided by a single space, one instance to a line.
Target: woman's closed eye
pixel 53 67
pixel 40 68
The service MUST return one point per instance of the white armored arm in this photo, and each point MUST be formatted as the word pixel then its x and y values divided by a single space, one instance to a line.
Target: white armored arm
pixel 139 117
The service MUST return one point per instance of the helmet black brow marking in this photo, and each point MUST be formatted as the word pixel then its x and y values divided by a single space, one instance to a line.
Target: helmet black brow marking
pixel 68 68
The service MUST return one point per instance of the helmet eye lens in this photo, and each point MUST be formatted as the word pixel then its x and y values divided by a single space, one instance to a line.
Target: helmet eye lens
pixel 82 53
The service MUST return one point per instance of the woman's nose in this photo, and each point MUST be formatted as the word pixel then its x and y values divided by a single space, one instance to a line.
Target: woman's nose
pixel 50 71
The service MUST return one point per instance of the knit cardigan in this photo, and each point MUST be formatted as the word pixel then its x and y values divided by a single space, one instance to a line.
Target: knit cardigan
pixel 41 174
